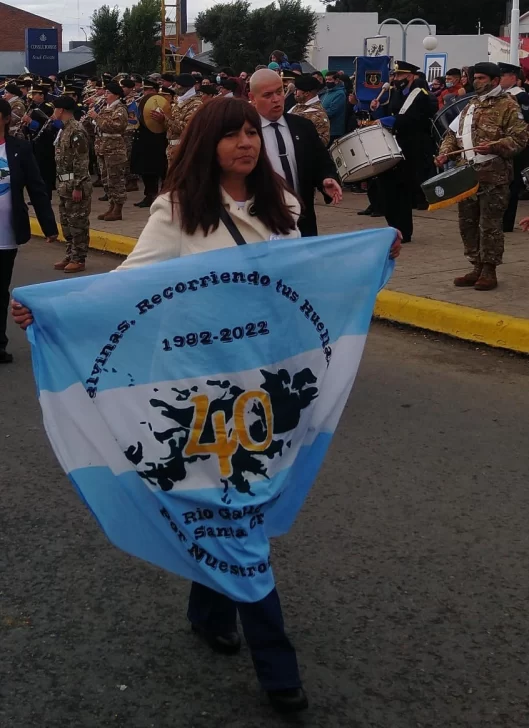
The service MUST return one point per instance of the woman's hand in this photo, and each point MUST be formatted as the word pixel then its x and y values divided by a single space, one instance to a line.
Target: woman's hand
pixel 441 160
pixel 22 315
pixel 524 224
pixel 333 189
pixel 395 249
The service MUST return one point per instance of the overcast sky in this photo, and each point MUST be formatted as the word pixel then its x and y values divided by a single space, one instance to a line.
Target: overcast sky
pixel 75 14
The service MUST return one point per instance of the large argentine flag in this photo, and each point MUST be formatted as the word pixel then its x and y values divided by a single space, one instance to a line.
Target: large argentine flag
pixel 192 402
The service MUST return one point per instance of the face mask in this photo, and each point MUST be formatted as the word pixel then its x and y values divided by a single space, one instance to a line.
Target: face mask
pixel 400 85
pixel 330 84
pixel 449 84
pixel 482 88
pixel 218 79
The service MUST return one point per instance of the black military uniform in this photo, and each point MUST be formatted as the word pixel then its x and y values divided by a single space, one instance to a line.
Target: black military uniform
pixel 521 161
pixel 41 132
pixel 148 157
pixel 411 112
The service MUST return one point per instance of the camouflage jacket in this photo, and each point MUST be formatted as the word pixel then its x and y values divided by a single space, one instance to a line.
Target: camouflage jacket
pixel 496 119
pixel 112 120
pixel 72 156
pixel 181 115
pixel 317 114
pixel 18 110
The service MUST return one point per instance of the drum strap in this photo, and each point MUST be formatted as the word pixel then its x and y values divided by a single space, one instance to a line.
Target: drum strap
pixel 232 227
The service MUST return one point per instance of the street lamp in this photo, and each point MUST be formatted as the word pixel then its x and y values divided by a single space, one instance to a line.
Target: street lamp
pixel 85 36
pixel 430 42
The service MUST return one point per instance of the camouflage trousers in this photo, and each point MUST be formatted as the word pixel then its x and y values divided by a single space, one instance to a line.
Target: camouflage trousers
pixel 75 221
pixel 129 177
pixel 481 223
pixel 113 168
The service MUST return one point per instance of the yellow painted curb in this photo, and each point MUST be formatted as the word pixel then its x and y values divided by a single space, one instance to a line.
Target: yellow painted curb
pixel 463 322
pixel 108 242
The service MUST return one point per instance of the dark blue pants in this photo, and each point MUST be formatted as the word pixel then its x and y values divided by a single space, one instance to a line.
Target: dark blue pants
pixel 273 655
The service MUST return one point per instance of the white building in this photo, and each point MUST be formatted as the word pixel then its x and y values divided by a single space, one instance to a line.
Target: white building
pixel 340 39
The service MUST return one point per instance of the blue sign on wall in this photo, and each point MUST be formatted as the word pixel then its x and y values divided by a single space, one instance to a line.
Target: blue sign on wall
pixel 42 51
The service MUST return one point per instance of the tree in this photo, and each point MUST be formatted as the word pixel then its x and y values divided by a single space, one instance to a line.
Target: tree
pixel 139 48
pixel 243 38
pixel 105 37
pixel 449 17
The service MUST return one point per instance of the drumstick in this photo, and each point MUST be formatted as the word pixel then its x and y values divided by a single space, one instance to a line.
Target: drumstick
pixel 470 149
pixel 383 90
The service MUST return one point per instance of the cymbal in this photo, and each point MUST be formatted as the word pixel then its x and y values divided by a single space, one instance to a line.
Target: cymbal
pixel 153 103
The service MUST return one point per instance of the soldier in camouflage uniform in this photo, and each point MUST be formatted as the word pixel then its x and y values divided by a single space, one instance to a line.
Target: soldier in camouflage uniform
pixel 73 185
pixel 493 124
pixel 187 104
pixel 309 105
pixel 131 102
pixel 13 94
pixel 111 150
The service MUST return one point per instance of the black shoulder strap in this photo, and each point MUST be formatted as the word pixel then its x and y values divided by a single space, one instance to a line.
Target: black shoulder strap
pixel 232 227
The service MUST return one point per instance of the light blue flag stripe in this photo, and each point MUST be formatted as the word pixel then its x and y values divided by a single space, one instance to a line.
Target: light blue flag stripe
pixel 192 402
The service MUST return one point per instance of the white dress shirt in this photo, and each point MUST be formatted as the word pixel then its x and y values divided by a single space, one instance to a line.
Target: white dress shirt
pixel 272 150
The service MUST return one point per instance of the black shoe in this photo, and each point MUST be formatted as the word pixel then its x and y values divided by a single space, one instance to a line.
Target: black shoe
pixel 225 644
pixel 367 211
pixel 406 240
pixel 103 199
pixel 5 357
pixel 377 214
pixel 508 230
pixel 146 202
pixel 422 206
pixel 288 701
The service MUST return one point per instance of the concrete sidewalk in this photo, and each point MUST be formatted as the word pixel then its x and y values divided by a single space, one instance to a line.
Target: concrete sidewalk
pixel 421 291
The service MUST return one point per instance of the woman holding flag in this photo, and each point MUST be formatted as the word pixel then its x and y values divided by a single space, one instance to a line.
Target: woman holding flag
pixel 221 191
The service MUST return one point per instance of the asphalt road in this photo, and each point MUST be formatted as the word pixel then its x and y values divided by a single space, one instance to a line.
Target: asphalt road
pixel 404 581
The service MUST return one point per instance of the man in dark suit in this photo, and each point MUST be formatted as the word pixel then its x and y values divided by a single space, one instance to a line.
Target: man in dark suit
pixel 18 169
pixel 294 148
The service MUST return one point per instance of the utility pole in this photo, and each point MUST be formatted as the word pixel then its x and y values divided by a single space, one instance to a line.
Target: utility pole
pixel 515 33
pixel 170 33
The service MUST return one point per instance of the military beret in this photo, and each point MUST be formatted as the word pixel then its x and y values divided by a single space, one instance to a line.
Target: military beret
pixel 12 88
pixel 149 83
pixel 306 82
pixel 404 67
pixel 492 70
pixel 168 92
pixel 229 83
pixel 208 90
pixel 114 88
pixel 128 82
pixel 65 102
pixel 168 77
pixel 185 79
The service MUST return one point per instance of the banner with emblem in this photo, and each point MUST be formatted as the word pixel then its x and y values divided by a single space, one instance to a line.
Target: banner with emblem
pixel 371 73
pixel 192 402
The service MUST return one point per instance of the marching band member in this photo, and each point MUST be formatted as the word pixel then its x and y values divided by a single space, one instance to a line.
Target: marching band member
pixel 148 157
pixel 111 125
pixel 41 133
pixel 492 130
pixel 187 104
pixel 128 85
pixel 13 94
pixel 309 105
pixel 74 185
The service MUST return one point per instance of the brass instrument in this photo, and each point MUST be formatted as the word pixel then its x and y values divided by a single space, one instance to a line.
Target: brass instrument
pixel 97 107
pixel 156 102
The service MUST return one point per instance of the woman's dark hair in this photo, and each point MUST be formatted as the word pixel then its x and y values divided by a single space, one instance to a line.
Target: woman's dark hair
pixel 193 179
pixel 469 70
pixel 5 111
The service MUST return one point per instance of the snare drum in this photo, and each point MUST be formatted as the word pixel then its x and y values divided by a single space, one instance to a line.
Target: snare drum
pixel 365 153
pixel 447 188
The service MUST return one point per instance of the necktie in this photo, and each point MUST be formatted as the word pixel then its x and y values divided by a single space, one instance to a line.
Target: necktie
pixel 283 155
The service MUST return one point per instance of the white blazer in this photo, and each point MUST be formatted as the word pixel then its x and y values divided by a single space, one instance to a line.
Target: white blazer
pixel 163 237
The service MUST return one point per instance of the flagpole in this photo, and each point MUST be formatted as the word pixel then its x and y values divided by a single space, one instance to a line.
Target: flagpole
pixel 515 33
